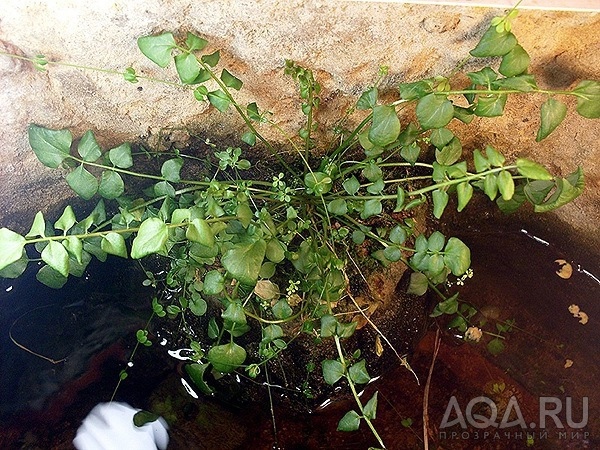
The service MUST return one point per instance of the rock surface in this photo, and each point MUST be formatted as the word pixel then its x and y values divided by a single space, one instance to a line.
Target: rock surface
pixel 344 42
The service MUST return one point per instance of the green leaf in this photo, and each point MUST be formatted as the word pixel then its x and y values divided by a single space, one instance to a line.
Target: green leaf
pixel 151 238
pixel 490 106
pixel 371 207
pixel 588 99
pixel 194 42
pixel 436 241
pixel 243 261
pixel 235 313
pixel 400 198
pixel 392 253
pixel 332 371
pixel 358 237
pixel 398 235
pixel 522 83
pixel 196 372
pixel 370 409
pixel 16 268
pixel 434 111
pixel 249 138
pixel 231 81
pixel 121 156
pixel 38 227
pixel 483 77
pixel 318 183
pixel 385 127
pixel 111 185
pixel 440 137
pixel 275 251
pixel 328 326
pixel 11 247
pixel 114 244
pixel 351 185
pixel 350 422
pixel 510 206
pixel 214 282
pixel 532 170
pixel 418 284
pixel 440 200
pixel 567 189
pixel 537 191
pixel 74 247
pixel 88 148
pixel 171 168
pixel 372 172
pixel 213 59
pixel 66 220
pixel 56 256
pixel 368 99
pixel 417 89
pixel 464 191
pixel 50 277
pixel 493 43
pixel 552 114
pixel 51 147
pixel 219 100
pixel 448 306
pixel 83 182
pixel 157 48
pixel 506 185
pixel 495 346
pixel 457 256
pixel 490 186
pixel 514 62
pixel 410 153
pixel 282 310
pixel 481 162
pixel 495 158
pixel 141 418
pixel 187 67
pixel 130 75
pixel 450 153
pixel 227 357
pixel 198 305
pixel 358 373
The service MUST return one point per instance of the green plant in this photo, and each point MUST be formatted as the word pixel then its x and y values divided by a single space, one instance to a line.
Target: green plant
pixel 232 241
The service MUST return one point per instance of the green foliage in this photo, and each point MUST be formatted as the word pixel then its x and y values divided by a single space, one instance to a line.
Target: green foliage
pixel 231 242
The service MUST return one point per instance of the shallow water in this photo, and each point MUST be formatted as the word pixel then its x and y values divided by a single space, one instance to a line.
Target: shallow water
pixel 514 278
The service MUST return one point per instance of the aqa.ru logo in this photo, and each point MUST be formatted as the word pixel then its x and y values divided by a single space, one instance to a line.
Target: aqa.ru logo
pixel 549 407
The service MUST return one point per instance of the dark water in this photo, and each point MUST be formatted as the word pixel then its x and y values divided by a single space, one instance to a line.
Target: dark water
pixel 92 322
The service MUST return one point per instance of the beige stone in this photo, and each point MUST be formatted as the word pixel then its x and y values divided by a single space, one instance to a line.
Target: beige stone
pixel 343 42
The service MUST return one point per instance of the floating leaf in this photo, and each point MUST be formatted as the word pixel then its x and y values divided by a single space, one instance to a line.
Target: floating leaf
pixel 552 114
pixel 227 357
pixel 83 182
pixel 151 238
pixel 157 48
pixel 434 111
pixel 385 127
pixel 51 147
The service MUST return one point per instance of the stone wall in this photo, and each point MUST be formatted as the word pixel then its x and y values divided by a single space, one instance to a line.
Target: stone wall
pixel 344 42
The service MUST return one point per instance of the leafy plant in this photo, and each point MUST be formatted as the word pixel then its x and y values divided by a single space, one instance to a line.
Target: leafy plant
pixel 231 241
